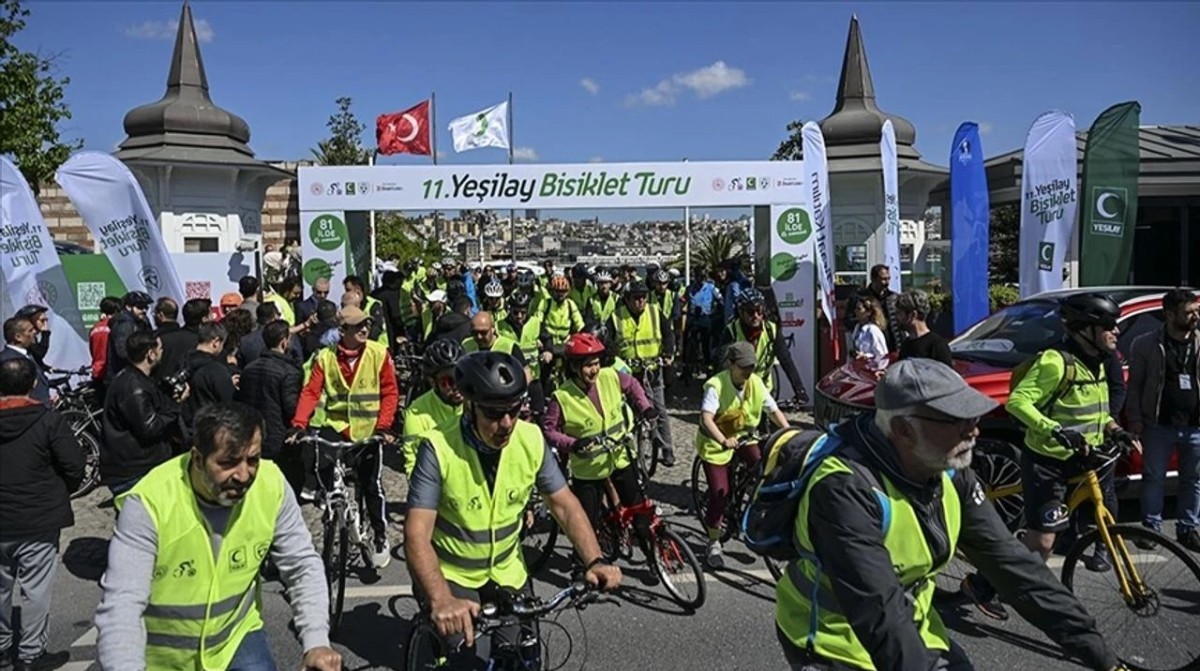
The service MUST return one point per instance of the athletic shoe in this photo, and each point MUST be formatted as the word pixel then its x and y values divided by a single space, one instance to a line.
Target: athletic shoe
pixel 987 604
pixel 1098 561
pixel 383 552
pixel 1189 538
pixel 714 557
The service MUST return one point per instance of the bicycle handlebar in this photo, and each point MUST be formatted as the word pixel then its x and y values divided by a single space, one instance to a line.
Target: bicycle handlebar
pixel 340 446
pixel 78 372
pixel 527 608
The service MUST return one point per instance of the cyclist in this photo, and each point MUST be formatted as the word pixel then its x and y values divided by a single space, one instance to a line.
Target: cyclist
pixel 467 499
pixel 731 409
pixel 493 299
pixel 433 311
pixel 357 382
pixel 374 308
pixel 591 406
pixel 561 316
pixel 485 337
pixel 441 404
pixel 641 335
pixel 1060 427
pixel 751 325
pixel 884 513
pixel 581 289
pixel 603 302
pixel 181 590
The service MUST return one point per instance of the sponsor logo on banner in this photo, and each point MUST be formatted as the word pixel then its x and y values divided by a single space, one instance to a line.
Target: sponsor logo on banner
pixel 150 279
pixel 317 189
pixel 1109 205
pixel 364 188
pixel 351 188
pixel 1046 256
pixel 335 189
pixel 89 294
pixel 718 184
pixel 794 226
pixel 388 186
pixel 328 232
pixel 964 151
pixel 42 294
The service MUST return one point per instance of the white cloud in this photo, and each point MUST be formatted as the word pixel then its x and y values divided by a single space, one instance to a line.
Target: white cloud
pixel 596 159
pixel 525 154
pixel 590 84
pixel 166 30
pixel 985 127
pixel 704 82
pixel 800 96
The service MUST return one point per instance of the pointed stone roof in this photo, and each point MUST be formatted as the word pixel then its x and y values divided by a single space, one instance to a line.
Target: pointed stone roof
pixel 856 118
pixel 185 125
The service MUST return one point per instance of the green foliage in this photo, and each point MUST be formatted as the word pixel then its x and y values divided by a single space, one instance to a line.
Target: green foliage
pixel 792 148
pixel 344 145
pixel 711 250
pixel 31 104
pixel 398 236
pixel 939 301
pixel 1001 296
pixel 1004 243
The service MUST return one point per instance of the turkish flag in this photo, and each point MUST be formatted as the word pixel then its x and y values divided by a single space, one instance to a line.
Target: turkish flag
pixel 404 132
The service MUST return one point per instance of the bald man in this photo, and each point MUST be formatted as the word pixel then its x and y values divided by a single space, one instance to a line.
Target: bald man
pixel 485 338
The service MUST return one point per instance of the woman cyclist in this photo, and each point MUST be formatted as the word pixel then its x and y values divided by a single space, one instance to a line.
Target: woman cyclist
pixel 731 409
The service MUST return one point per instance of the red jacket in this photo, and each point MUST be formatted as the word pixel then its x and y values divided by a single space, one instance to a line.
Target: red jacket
pixel 98 343
pixel 348 360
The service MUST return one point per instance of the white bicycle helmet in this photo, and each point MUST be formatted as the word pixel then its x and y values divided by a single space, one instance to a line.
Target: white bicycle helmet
pixel 493 289
pixel 603 276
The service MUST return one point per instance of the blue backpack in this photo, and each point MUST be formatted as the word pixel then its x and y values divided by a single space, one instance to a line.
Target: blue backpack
pixel 769 522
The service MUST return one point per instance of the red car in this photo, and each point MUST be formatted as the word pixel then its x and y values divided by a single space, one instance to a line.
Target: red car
pixel 985 355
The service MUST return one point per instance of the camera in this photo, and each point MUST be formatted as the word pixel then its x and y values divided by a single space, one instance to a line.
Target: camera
pixel 176 382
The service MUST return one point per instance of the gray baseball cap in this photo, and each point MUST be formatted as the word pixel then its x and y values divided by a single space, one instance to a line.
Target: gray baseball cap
pixel 741 353
pixel 933 384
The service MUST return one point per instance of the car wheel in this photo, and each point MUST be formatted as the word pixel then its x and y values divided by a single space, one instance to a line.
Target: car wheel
pixel 997 464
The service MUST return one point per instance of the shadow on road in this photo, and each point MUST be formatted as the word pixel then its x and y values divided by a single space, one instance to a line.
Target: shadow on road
pixel 954 615
pixel 86 557
pixel 375 635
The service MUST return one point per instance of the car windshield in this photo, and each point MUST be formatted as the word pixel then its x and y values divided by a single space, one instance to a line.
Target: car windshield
pixel 1011 335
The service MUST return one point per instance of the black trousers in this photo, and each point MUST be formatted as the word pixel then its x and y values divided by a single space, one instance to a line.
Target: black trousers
pixel 506 637
pixel 591 496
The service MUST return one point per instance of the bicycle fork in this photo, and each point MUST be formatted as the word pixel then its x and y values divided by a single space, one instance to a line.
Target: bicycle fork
pixel 1132 587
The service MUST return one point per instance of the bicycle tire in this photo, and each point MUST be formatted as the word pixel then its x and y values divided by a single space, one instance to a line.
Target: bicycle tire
pixel 1129 533
pixel 80 422
pixel 425 650
pixel 334 554
pixel 677 546
pixel 647 453
pixel 700 503
pixel 537 556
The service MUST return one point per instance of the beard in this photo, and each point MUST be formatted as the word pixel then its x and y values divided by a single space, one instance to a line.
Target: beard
pixel 958 458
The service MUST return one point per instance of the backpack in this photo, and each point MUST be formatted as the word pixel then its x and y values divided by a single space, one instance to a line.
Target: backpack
pixel 770 519
pixel 1064 384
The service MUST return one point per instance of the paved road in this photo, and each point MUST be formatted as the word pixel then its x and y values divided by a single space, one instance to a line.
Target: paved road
pixel 638 629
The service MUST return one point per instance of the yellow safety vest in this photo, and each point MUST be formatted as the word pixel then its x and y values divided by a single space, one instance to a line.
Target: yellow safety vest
pixel 477 537
pixel 370 304
pixel 581 420
pixel 833 637
pixel 201 607
pixel 428 319
pixel 736 418
pixel 666 303
pixel 764 349
pixel 602 309
pixel 640 337
pixel 528 340
pixel 425 414
pixel 1083 407
pixel 561 320
pixel 286 313
pixel 352 404
pixel 503 344
pixel 581 296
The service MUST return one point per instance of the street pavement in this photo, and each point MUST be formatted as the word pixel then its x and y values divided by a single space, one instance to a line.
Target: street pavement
pixel 638 628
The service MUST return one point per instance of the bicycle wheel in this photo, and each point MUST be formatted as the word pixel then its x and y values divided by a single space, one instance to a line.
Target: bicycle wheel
pixel 775 568
pixel 678 568
pixel 1156 629
pixel 539 533
pixel 334 551
pixel 730 523
pixel 425 649
pixel 997 464
pixel 647 451
pixel 80 422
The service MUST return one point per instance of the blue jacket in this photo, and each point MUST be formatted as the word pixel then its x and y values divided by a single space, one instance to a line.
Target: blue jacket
pixel 701 300
pixel 737 283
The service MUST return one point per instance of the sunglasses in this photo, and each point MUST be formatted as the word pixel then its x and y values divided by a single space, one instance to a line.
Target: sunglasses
pixel 320 293
pixel 355 328
pixel 496 414
pixel 952 421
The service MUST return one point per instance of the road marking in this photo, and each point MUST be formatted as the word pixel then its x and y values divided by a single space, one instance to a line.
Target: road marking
pixel 77 666
pixel 88 639
pixel 377 591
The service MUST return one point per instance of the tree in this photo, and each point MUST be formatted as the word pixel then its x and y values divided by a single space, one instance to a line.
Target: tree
pixel 791 149
pixel 344 145
pixel 716 247
pixel 1004 234
pixel 31 104
pixel 398 236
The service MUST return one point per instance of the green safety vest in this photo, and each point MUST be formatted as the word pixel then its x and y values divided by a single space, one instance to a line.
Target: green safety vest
pixel 503 344
pixel 581 296
pixel 666 302
pixel 353 404
pixel 561 320
pixel 370 303
pixel 427 320
pixel 538 298
pixel 832 637
pixel 286 313
pixel 736 418
pixel 582 420
pixel 406 298
pixel 640 337
pixel 424 415
pixel 528 340
pixel 477 536
pixel 1083 407
pixel 764 349
pixel 601 310
pixel 201 607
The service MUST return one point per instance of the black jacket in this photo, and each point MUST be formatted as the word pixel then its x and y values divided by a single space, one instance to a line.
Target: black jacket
pixel 272 384
pixel 140 427
pixel 41 385
pixel 120 327
pixel 845 521
pixel 177 343
pixel 211 381
pixel 41 463
pixel 782 354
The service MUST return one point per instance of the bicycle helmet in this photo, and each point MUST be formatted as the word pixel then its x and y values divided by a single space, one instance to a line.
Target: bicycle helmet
pixel 440 355
pixel 31 310
pixel 139 299
pixel 519 300
pixel 662 277
pixel 559 283
pixel 636 288
pixel 493 289
pixel 526 278
pixel 751 298
pixel 491 377
pixel 1081 310
pixel 456 287
pixel 603 276
pixel 436 266
pixel 583 345
pixel 579 271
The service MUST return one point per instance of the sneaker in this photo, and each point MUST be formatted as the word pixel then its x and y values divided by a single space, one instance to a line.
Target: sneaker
pixel 667 459
pixel 989 605
pixel 382 555
pixel 1098 561
pixel 715 559
pixel 44 662
pixel 308 495
pixel 1189 538
pixel 1144 544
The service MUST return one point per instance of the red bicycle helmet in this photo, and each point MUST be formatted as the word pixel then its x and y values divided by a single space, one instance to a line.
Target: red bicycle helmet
pixel 583 345
pixel 559 283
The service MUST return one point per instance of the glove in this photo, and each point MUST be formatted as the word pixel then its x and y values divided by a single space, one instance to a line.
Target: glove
pixel 1070 439
pixel 585 445
pixel 651 413
pixel 1122 439
pixel 294 434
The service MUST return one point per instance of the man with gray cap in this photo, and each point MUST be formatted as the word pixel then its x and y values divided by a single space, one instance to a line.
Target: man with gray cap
pixel 884 513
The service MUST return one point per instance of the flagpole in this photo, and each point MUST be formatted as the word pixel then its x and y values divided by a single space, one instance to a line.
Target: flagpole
pixel 687 243
pixel 433 147
pixel 512 214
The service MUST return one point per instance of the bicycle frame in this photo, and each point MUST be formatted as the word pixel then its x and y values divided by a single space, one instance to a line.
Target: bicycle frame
pixel 1087 489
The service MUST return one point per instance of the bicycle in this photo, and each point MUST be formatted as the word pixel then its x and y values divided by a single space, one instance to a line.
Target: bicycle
pixel 539 533
pixel 1141 601
pixel 78 405
pixel 743 482
pixel 647 446
pixel 343 522
pixel 427 651
pixel 669 553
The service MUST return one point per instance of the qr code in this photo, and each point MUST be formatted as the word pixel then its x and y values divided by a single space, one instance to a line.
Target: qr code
pixel 198 290
pixel 89 294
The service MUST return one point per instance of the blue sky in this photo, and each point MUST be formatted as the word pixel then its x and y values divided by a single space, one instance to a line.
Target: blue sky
pixel 629 82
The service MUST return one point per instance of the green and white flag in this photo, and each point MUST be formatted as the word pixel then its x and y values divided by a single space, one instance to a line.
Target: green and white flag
pixel 486 128
pixel 1110 196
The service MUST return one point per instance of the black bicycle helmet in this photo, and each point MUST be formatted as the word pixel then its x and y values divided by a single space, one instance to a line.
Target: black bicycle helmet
pixel 519 299
pixel 580 271
pixel 137 299
pixel 636 288
pixel 441 354
pixel 1081 310
pixel 491 377
pixel 456 287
